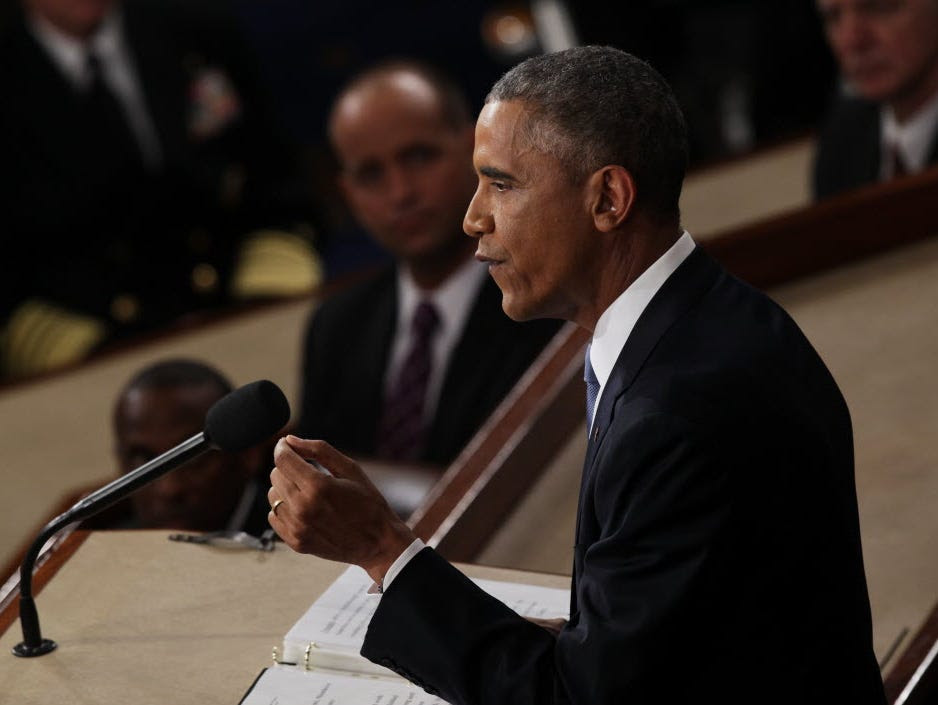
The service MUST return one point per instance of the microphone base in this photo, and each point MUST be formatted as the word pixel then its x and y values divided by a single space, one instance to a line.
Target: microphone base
pixel 25 651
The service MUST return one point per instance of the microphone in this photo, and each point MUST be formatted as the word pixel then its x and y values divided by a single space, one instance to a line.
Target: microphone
pixel 237 421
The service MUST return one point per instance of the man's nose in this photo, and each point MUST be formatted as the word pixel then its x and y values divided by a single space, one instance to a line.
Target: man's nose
pixel 478 221
pixel 400 186
pixel 851 33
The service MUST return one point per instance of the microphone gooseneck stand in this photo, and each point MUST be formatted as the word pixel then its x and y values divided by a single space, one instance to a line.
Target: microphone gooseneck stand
pixel 33 644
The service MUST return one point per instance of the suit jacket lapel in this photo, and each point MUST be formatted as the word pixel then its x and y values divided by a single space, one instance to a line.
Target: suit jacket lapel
pixel 371 359
pixel 696 274
pixel 933 154
pixel 158 65
pixel 478 341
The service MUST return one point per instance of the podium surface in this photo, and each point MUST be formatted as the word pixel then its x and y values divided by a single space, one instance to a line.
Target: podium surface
pixel 145 620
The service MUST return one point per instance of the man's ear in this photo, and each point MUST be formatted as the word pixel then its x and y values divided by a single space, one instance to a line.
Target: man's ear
pixel 612 197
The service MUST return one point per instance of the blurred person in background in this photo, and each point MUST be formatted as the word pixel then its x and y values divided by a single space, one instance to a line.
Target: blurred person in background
pixel 407 365
pixel 142 176
pixel 885 124
pixel 161 406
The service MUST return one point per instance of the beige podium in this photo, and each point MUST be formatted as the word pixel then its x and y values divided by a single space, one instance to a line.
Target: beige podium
pixel 140 619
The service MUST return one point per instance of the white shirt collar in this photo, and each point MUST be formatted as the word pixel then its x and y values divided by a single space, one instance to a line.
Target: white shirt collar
pixel 616 323
pixel 914 137
pixel 69 53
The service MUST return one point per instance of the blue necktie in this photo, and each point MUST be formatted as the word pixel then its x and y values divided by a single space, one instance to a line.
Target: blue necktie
pixel 592 389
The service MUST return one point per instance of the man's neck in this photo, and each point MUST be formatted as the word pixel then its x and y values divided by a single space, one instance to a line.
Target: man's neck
pixel 628 256
pixel 78 32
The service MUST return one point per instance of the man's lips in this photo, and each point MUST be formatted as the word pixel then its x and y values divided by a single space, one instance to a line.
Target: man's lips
pixel 487 259
pixel 866 71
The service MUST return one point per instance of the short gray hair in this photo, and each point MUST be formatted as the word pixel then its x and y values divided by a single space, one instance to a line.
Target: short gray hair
pixel 595 106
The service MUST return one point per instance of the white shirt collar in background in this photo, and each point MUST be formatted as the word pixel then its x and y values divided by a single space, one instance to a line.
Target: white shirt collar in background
pixel 914 138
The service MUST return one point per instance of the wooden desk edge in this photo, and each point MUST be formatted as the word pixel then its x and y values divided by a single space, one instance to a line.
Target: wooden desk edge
pixel 57 557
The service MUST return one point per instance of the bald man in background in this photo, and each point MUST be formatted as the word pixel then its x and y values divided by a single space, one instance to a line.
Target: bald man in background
pixel 407 365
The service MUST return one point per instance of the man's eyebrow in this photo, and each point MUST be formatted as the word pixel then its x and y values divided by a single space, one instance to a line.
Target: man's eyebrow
pixel 493 173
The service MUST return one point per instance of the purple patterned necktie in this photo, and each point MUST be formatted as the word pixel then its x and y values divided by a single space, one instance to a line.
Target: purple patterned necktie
pixel 401 429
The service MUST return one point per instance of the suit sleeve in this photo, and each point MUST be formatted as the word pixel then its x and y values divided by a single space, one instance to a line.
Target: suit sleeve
pixel 657 496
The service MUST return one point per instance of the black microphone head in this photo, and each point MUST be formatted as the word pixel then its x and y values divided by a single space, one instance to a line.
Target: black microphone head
pixel 247 416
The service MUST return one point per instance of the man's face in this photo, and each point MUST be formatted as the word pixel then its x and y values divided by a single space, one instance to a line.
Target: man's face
pixel 76 17
pixel 407 173
pixel 533 225
pixel 887 49
pixel 200 495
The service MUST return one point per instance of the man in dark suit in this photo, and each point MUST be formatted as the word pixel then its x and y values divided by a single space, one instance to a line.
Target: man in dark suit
pixel 717 551
pixel 886 124
pixel 138 151
pixel 402 134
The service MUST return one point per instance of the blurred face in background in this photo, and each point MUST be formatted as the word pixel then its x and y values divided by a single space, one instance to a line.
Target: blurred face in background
pixel 198 496
pixel 887 49
pixel 79 18
pixel 406 169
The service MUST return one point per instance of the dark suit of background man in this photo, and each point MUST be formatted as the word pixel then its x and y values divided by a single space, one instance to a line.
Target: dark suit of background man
pixel 886 124
pixel 717 551
pixel 137 149
pixel 402 134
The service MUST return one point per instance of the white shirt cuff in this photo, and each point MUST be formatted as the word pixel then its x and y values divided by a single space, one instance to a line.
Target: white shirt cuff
pixel 398 565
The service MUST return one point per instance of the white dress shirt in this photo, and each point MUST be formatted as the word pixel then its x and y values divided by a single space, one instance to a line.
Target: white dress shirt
pixel 616 323
pixel 913 139
pixel 453 300
pixel 70 56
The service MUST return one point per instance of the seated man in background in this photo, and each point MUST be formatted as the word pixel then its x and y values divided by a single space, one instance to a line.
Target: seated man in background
pixel 886 124
pixel 142 176
pixel 161 406
pixel 407 365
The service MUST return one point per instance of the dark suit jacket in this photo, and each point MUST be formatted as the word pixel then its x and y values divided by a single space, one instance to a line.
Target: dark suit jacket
pixel 848 150
pixel 346 353
pixel 717 554
pixel 83 225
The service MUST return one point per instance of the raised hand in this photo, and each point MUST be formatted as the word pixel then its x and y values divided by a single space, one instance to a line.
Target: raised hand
pixel 338 515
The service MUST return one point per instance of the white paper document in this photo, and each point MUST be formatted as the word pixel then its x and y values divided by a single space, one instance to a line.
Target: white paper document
pixel 334 627
pixel 291 686
pixel 319 662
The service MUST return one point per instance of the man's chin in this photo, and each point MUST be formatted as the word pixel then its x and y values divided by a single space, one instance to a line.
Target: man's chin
pixel 876 89
pixel 517 309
